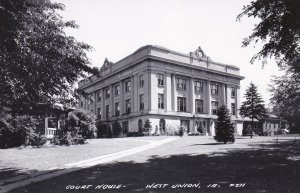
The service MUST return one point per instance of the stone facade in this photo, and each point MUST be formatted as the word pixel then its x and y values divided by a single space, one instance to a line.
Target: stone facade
pixel 168 88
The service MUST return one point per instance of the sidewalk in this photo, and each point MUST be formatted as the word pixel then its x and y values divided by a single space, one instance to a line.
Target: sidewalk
pixel 23 180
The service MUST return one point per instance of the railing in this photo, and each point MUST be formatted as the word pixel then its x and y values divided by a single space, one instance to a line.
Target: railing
pixel 50 132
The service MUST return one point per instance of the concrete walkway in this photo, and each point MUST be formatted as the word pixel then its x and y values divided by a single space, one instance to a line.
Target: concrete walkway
pixel 23 180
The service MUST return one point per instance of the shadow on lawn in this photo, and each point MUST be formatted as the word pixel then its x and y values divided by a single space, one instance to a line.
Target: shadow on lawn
pixel 264 168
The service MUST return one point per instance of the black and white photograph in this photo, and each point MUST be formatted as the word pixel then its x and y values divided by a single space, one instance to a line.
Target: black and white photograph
pixel 149 96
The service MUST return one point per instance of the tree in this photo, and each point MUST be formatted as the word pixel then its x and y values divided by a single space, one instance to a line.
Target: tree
pixel 286 99
pixel 83 123
pixel 39 62
pixel 147 126
pixel 117 128
pixel 224 127
pixel 253 106
pixel 279 30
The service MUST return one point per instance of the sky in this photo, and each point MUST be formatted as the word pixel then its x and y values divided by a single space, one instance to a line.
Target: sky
pixel 116 28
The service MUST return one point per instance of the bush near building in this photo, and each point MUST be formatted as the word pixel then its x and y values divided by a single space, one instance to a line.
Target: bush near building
pixel 224 127
pixel 19 131
pixel 80 125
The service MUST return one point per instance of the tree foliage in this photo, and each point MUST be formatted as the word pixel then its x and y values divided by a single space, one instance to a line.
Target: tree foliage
pixel 147 126
pixel 253 106
pixel 39 62
pixel 286 99
pixel 279 30
pixel 83 123
pixel 224 127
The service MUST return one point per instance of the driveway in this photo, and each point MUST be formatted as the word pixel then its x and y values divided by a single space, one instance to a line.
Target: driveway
pixel 190 164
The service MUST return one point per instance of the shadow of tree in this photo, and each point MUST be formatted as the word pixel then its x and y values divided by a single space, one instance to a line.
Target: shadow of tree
pixel 263 168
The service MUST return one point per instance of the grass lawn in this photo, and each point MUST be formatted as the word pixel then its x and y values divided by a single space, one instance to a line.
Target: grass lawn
pixel 261 163
pixel 15 161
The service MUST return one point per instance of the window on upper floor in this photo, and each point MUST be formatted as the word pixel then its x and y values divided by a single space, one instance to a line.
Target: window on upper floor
pixel 91 99
pixel 181 104
pixel 160 80
pixel 142 104
pixel 214 107
pixel 232 91
pixel 141 80
pixel 99 96
pixel 233 109
pixel 198 86
pixel 181 84
pixel 117 90
pixel 107 93
pixel 128 106
pixel 128 86
pixel 160 101
pixel 214 88
pixel 199 106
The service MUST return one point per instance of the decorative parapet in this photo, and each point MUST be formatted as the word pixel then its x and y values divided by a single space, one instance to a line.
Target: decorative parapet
pixel 193 59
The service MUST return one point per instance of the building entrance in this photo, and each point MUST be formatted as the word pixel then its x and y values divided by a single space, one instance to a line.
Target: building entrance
pixel 185 124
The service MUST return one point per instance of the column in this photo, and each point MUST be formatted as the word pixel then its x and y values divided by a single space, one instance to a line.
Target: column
pixel 173 97
pixel 192 95
pixel 95 103
pixel 135 93
pixel 237 101
pixel 121 97
pixel 224 101
pixel 111 101
pixel 208 98
pixel 103 110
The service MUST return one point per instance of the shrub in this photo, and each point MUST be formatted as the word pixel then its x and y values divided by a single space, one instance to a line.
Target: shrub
pixel 38 140
pixel 16 131
pixel 83 123
pixel 81 126
pixel 147 126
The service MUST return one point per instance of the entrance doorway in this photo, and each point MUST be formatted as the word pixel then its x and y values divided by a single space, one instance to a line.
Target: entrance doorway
pixel 185 124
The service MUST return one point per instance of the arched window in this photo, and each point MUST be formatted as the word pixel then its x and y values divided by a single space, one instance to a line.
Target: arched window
pixel 140 125
pixel 162 125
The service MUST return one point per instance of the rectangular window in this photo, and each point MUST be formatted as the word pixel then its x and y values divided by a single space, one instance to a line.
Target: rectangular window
pixel 199 106
pixel 128 86
pixel 117 109
pixel 142 102
pixel 141 80
pixel 198 86
pixel 181 84
pixel 91 99
pixel 99 96
pixel 125 127
pixel 181 104
pixel 107 111
pixel 214 88
pixel 160 101
pixel 232 108
pixel 117 90
pixel 81 103
pixel 99 113
pixel 214 107
pixel 160 80
pixel 128 106
pixel 107 93
pixel 232 91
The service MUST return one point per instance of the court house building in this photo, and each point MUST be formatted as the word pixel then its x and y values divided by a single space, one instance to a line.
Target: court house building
pixel 168 88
